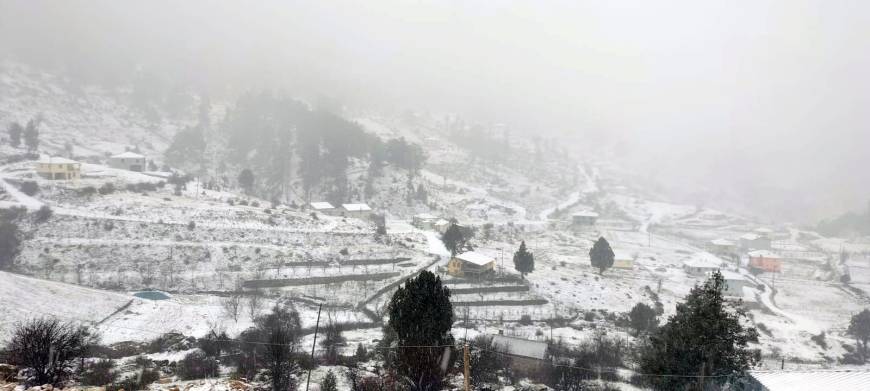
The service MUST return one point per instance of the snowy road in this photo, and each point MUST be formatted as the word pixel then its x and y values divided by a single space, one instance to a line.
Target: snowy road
pixel 23 199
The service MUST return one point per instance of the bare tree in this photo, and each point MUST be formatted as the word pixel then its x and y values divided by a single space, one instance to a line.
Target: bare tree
pixel 49 348
pixel 255 303
pixel 232 304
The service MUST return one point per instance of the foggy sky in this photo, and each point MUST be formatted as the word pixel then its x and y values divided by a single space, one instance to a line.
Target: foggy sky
pixel 763 102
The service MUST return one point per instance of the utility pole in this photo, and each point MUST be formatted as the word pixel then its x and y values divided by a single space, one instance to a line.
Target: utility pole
pixel 465 358
pixel 314 344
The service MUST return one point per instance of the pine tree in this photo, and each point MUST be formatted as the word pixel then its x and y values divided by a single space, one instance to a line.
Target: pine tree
pixel 246 180
pixel 524 261
pixel 31 135
pixel 454 239
pixel 328 383
pixel 601 255
pixel 421 316
pixel 859 327
pixel 10 242
pixel 642 318
pixel 15 130
pixel 706 337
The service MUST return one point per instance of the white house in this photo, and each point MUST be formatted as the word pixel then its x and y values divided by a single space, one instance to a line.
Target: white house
pixel 584 218
pixel 58 168
pixel 754 241
pixel 722 246
pixel 360 211
pixel 129 161
pixel 701 264
pixel 441 225
pixel 734 283
pixel 424 221
pixel 323 207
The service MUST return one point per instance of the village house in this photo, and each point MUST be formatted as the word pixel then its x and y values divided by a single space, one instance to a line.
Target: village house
pixel 360 211
pixel 441 226
pixel 424 221
pixel 470 265
pixel 527 357
pixel 734 284
pixel 584 218
pixel 129 161
pixel 323 207
pixel 701 264
pixel 722 246
pixel 58 168
pixel 765 260
pixel 623 261
pixel 755 241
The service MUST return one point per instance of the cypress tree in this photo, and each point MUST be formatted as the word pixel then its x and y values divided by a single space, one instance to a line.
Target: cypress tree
pixel 524 261
pixel 601 255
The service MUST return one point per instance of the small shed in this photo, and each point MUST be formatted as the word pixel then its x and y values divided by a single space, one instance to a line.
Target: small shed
pixel 129 161
pixel 584 218
pixel 360 211
pixel 424 221
pixel 755 241
pixel 470 264
pixel 323 207
pixel 441 225
pixel 527 356
pixel 58 168
pixel 623 260
pixel 765 260
pixel 701 264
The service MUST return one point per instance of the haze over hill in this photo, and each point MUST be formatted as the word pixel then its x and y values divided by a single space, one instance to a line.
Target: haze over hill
pixel 758 105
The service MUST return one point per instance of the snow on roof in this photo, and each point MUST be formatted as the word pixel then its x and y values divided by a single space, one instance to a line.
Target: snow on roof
pixel 750 236
pixel 763 254
pixel 475 258
pixel 426 216
pixel 703 260
pixel 356 207
pixel 56 160
pixel 622 255
pixel 723 242
pixel 442 222
pixel 749 295
pixel 763 231
pixel 520 347
pixel 834 380
pixel 586 213
pixel 128 155
pixel 321 205
pixel 732 276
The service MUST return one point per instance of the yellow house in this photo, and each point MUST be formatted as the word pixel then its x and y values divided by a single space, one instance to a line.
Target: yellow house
pixel 470 264
pixel 623 261
pixel 58 168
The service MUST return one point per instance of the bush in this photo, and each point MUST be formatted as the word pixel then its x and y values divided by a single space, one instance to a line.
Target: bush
pixel 197 365
pixel 191 225
pixel 138 381
pixel 88 191
pixel 820 340
pixel 107 188
pixel 99 373
pixel 49 347
pixel 525 320
pixel 43 214
pixel 328 383
pixel 30 188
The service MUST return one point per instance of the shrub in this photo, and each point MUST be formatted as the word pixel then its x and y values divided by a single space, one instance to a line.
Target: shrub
pixel 99 373
pixel 525 320
pixel 197 365
pixel 137 381
pixel 88 191
pixel 107 188
pixel 43 214
pixel 30 188
pixel 191 225
pixel 328 383
pixel 49 347
pixel 820 340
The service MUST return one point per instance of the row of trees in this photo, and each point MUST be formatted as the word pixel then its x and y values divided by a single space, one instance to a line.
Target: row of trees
pixel 29 133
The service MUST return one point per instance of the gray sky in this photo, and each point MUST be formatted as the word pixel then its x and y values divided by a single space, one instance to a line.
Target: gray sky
pixel 760 101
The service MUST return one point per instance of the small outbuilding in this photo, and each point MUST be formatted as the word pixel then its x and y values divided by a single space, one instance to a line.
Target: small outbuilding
pixel 441 226
pixel 722 246
pixel 470 265
pixel 58 168
pixel 527 356
pixel 734 283
pixel 623 261
pixel 129 161
pixel 323 207
pixel 360 211
pixel 584 218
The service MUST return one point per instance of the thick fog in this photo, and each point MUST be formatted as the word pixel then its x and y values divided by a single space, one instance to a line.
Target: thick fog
pixel 750 104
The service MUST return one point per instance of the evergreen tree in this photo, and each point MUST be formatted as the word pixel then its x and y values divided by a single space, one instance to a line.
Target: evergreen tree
pixel 601 255
pixel 643 318
pixel 706 337
pixel 421 316
pixel 10 242
pixel 246 180
pixel 454 239
pixel 15 131
pixel 31 135
pixel 328 383
pixel 859 327
pixel 524 261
